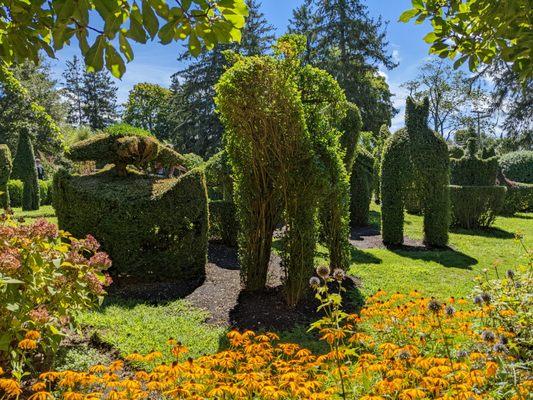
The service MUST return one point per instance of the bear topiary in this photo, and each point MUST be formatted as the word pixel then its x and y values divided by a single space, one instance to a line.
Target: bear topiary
pixel 415 154
pixel 24 169
pixel 361 183
pixel 152 227
pixel 5 172
pixel 471 170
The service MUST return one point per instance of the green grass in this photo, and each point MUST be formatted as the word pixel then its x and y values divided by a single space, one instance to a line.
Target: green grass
pixel 442 273
pixel 46 212
pixel 136 327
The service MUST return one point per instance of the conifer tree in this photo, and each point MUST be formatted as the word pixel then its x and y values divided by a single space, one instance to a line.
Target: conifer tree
pixel 345 41
pixel 24 169
pixel 73 90
pixel 194 125
pixel 99 96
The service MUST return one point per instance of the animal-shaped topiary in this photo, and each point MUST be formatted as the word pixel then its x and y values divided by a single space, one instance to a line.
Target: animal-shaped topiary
pixel 152 227
pixel 415 154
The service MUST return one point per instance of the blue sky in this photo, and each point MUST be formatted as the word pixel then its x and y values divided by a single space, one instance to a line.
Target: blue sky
pixel 155 63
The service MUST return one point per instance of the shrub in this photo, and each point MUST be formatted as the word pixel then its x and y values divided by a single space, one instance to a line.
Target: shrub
pixel 15 188
pixel 123 129
pixel 519 198
pixel 470 170
pixel 476 206
pixel 286 163
pixel 455 151
pixel 191 160
pixel 518 166
pixel 5 172
pixel 415 155
pixel 361 188
pixel 152 228
pixel 45 192
pixel 351 129
pixel 24 169
pixel 223 222
pixel 218 177
pixel 384 134
pixel 46 277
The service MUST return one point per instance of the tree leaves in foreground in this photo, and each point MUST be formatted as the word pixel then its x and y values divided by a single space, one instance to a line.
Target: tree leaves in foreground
pixel 479 31
pixel 28 27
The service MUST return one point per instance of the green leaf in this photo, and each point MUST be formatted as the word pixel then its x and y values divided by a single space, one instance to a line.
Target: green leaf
pixel 94 59
pixel 125 46
pixel 418 4
pixel 166 33
pixel 195 46
pixel 114 62
pixel 407 15
pixel 430 37
pixel 150 21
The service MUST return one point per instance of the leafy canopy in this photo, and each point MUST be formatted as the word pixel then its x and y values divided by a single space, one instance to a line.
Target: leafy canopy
pixel 481 31
pixel 29 26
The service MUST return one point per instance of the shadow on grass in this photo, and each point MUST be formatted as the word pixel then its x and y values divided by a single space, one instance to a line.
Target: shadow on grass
pixel 362 257
pixel 496 233
pixel 522 216
pixel 446 256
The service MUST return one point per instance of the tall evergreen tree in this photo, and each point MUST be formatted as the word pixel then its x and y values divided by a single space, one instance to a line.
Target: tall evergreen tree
pixel 99 97
pixel 194 125
pixel 73 91
pixel 344 40
pixel 24 169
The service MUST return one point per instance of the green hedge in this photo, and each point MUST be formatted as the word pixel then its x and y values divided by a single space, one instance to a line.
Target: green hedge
pixel 5 172
pixel 223 222
pixel 361 182
pixel 473 171
pixel 152 228
pixel 519 198
pixel 476 206
pixel 45 191
pixel 15 188
pixel 518 166
pixel 24 169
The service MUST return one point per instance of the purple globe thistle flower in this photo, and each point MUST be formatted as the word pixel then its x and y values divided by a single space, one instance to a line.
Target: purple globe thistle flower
pixel 488 336
pixel 314 282
pixel 323 271
pixel 339 275
pixel 450 311
pixel 500 348
pixel 478 300
pixel 503 339
pixel 434 306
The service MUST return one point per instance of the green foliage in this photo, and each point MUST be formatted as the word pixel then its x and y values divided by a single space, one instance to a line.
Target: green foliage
pixel 218 176
pixel 476 206
pixel 415 157
pixel 350 128
pixel 519 198
pixel 384 134
pixel 6 165
pixel 480 31
pixel 98 99
pixel 191 160
pixel 456 152
pixel 15 188
pixel 361 184
pixel 46 277
pixel 30 27
pixel 470 170
pixel 223 222
pixel 45 192
pixel 124 129
pixel 152 228
pixel 285 164
pixel 24 169
pixel 147 108
pixel 518 166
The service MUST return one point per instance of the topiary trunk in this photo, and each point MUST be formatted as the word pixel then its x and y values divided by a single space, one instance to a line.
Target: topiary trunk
pixel 24 169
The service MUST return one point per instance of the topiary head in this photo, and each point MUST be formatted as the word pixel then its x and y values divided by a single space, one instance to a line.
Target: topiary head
pixel 471 148
pixel 416 114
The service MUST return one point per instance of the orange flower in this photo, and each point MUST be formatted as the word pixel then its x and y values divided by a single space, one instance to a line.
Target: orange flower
pixel 27 344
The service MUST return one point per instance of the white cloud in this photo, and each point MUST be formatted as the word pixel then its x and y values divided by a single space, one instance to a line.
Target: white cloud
pixel 396 56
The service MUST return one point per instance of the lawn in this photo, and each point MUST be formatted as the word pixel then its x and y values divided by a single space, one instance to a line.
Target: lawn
pixel 46 212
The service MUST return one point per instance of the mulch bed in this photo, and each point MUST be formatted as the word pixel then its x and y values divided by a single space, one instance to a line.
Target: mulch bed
pixel 368 237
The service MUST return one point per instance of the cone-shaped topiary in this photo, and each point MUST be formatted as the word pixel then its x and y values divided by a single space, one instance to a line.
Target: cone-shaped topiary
pixel 415 154
pixel 24 169
pixel 361 182
pixel 5 172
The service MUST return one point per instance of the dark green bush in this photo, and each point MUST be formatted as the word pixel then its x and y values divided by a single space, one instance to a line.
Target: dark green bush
pixel 191 160
pixel 24 169
pixel 455 151
pixel 476 206
pixel 361 182
pixel 15 188
pixel 350 128
pixel 384 134
pixel 45 192
pixel 223 222
pixel 518 166
pixel 471 170
pixel 519 198
pixel 415 157
pixel 5 172
pixel 152 228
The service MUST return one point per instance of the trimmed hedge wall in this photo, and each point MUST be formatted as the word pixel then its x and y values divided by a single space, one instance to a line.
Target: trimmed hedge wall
pixel 476 206
pixel 152 228
pixel 5 172
pixel 518 166
pixel 361 182
pixel 16 189
pixel 470 170
pixel 519 198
